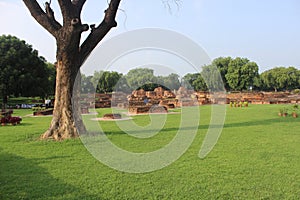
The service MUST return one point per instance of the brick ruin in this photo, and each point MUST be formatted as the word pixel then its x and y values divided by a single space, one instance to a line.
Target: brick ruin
pixel 157 101
pixel 264 98
pixel 112 116
pixel 161 100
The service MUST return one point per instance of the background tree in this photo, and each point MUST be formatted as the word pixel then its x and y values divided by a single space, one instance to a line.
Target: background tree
pixel 171 81
pixel 87 84
pixel 108 81
pixel 23 72
pixel 96 77
pixel 222 63
pixel 257 83
pixel 51 78
pixel 194 82
pixel 281 78
pixel 212 78
pixel 160 80
pixel 141 78
pixel 236 74
pixel 241 74
pixel 122 86
pixel 187 80
pixel 70 55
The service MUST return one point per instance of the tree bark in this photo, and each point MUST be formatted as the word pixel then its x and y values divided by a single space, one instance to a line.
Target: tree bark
pixel 70 55
pixel 65 113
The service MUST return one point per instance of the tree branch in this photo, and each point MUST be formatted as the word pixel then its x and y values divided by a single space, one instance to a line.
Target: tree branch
pixel 98 33
pixel 66 8
pixel 78 3
pixel 49 10
pixel 46 20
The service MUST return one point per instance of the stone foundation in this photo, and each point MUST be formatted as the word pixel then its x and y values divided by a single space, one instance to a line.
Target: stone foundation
pixel 147 109
pixel 112 116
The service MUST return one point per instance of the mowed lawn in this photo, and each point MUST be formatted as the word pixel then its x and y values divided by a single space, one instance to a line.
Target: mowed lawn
pixel 256 157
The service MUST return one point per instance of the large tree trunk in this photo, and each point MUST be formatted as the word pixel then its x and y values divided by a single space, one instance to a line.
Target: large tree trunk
pixel 66 122
pixel 71 54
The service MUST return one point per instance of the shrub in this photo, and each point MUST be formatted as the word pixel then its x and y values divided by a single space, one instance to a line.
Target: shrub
pixel 296 91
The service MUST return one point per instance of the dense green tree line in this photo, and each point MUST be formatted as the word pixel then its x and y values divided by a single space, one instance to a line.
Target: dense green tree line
pixel 240 74
pixel 139 78
pixel 280 78
pixel 22 71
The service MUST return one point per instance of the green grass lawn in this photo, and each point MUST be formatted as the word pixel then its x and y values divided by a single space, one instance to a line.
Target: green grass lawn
pixel 256 157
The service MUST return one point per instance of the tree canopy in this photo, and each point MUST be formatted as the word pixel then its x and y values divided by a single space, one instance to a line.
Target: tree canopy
pixel 238 74
pixel 194 82
pixel 233 74
pixel 171 81
pixel 222 63
pixel 23 72
pixel 241 74
pixel 280 78
pixel 139 78
pixel 108 81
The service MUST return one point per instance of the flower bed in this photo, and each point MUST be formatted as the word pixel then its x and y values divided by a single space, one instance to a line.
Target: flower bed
pixel 8 119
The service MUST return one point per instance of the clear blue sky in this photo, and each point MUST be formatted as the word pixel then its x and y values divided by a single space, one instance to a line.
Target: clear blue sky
pixel 265 31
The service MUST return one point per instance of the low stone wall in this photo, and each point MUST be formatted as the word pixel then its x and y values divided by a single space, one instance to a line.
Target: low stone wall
pixel 184 97
pixel 112 116
pixel 264 97
pixel 147 109
pixel 43 112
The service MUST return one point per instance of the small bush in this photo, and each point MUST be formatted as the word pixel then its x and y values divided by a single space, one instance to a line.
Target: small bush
pixel 38 108
pixel 296 91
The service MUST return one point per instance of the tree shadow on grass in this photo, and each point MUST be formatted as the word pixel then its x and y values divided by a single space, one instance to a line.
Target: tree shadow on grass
pixel 18 125
pixel 25 124
pixel 22 178
pixel 260 122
